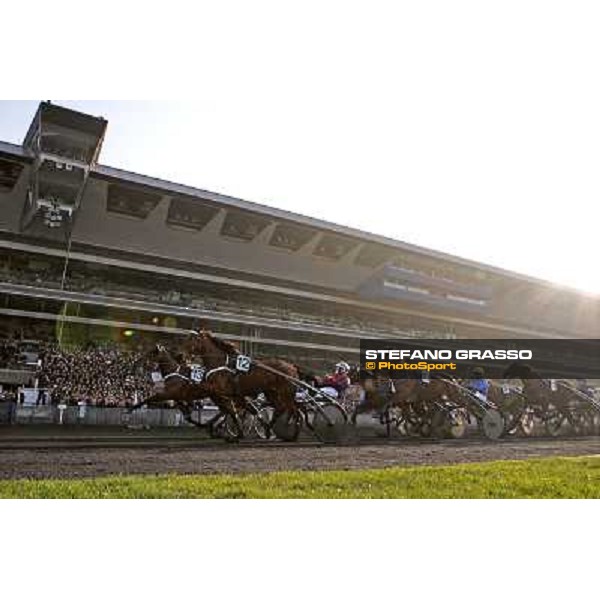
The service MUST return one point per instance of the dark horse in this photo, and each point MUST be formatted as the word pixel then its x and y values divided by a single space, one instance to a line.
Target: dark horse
pixel 184 392
pixel 550 403
pixel 538 391
pixel 380 394
pixel 263 376
pixel 559 401
pixel 419 404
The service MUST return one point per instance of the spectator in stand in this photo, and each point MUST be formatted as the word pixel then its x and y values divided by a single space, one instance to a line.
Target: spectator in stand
pixel 103 376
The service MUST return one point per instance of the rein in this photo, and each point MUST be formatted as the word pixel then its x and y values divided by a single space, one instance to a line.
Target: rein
pixel 290 378
pixel 218 369
pixel 176 374
pixel 589 399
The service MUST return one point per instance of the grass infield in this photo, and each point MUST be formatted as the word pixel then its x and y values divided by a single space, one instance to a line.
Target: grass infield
pixel 541 478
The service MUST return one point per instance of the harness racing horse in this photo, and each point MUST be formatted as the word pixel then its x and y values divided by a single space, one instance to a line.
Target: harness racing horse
pixel 439 406
pixel 543 398
pixel 218 355
pixel 583 411
pixel 381 395
pixel 409 402
pixel 184 392
pixel 512 404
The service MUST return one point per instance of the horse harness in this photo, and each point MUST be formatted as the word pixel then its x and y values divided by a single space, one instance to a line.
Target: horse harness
pixel 241 367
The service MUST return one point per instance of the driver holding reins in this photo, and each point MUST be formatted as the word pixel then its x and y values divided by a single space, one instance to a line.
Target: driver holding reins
pixel 478 383
pixel 335 384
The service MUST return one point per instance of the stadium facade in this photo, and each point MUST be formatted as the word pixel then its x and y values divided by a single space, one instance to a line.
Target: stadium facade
pixel 90 251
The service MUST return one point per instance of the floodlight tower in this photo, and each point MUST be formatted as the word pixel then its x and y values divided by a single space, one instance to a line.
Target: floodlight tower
pixel 65 145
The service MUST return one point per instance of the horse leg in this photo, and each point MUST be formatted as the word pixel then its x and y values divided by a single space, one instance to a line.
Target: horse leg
pixel 265 424
pixel 227 409
pixel 360 408
pixel 233 412
pixel 153 400
pixel 212 423
pixel 284 405
pixel 186 411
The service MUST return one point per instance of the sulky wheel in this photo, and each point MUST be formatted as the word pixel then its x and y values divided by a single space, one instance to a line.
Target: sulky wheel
pixel 392 418
pixel 553 423
pixel 527 423
pixel 595 424
pixel 590 424
pixel 286 426
pixel 492 424
pixel 457 423
pixel 440 424
pixel 246 425
pixel 581 423
pixel 412 427
pixel 231 431
pixel 426 429
pixel 448 424
pixel 262 423
pixel 329 423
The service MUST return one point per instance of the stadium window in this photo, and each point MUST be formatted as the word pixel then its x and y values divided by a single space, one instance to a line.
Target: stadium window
pixel 62 194
pixel 9 174
pixel 243 225
pixel 130 201
pixel 372 255
pixel 334 246
pixel 290 237
pixel 66 146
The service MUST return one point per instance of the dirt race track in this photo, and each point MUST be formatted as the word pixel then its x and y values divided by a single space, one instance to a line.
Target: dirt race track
pixel 41 463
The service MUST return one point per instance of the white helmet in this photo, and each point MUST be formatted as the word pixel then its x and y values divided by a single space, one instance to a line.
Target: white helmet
pixel 342 366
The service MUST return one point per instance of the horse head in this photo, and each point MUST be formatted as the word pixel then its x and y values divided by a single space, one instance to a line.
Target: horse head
pixel 210 349
pixel 517 371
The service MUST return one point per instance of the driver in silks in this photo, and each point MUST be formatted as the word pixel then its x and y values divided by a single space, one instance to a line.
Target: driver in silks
pixel 335 384
pixel 478 384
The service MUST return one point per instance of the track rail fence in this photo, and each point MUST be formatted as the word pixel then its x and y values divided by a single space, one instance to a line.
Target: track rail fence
pixel 98 416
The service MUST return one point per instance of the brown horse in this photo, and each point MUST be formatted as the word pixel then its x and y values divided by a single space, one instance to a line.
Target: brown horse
pixel 422 407
pixel 538 391
pixel 381 394
pixel 183 391
pixel 219 357
pixel 582 410
pixel 437 406
pixel 546 401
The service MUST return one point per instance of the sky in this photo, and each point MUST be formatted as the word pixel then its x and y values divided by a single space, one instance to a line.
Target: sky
pixel 467 129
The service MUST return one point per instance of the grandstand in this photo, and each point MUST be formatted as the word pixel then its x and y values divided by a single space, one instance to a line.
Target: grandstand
pixel 93 252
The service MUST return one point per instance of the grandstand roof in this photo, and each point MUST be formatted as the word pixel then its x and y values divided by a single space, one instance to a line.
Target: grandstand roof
pixel 138 214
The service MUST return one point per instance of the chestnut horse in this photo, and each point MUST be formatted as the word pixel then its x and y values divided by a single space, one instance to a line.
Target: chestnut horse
pixel 183 391
pixel 553 404
pixel 538 391
pixel 417 401
pixel 219 358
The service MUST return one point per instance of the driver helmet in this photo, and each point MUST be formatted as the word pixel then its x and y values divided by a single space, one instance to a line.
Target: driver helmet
pixel 342 367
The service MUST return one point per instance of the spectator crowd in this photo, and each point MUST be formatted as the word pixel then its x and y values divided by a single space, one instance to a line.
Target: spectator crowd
pixel 96 376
